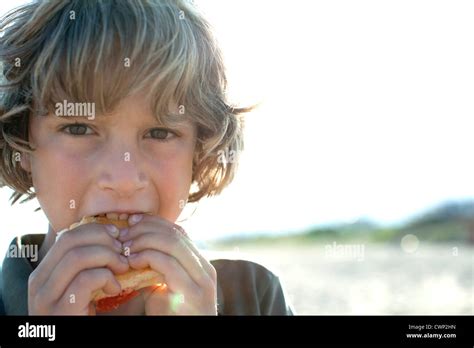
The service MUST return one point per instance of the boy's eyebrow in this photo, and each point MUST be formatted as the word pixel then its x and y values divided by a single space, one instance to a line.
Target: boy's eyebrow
pixel 169 120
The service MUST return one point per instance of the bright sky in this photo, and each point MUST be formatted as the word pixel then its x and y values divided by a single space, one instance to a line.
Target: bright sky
pixel 367 111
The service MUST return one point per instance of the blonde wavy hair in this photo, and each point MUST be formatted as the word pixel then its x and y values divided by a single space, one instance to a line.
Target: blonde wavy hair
pixel 78 50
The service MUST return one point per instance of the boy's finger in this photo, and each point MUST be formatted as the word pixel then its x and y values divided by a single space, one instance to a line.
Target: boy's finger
pixel 205 264
pixel 89 234
pixel 78 294
pixel 153 223
pixel 157 301
pixel 77 260
pixel 176 278
pixel 136 229
pixel 172 245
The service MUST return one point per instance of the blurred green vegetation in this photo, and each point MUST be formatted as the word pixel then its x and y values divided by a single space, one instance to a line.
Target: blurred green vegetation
pixel 449 222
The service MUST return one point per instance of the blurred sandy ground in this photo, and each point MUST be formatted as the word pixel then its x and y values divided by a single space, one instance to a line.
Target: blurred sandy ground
pixel 435 279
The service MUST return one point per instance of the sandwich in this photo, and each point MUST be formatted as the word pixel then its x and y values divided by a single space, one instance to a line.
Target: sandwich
pixel 131 282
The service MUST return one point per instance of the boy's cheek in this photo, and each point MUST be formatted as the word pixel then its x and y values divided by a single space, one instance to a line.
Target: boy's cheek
pixel 60 215
pixel 56 191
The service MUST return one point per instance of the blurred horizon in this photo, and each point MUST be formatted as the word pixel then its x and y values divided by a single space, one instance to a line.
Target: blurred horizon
pixel 30 217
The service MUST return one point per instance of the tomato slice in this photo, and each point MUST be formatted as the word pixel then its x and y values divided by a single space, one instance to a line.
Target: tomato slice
pixel 110 303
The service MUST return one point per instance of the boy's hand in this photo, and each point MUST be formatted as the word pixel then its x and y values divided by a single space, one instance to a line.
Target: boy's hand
pixel 81 261
pixel 163 246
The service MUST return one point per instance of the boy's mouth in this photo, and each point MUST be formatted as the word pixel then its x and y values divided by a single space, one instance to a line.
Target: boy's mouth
pixel 118 215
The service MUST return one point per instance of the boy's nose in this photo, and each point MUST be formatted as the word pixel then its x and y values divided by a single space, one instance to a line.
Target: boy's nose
pixel 123 177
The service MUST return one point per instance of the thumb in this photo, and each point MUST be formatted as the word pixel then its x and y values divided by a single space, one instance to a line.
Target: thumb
pixel 92 309
pixel 156 300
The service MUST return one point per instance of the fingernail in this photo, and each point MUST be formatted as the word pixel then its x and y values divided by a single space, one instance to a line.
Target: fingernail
pixel 123 259
pixel 123 233
pixel 113 230
pixel 132 220
pixel 118 245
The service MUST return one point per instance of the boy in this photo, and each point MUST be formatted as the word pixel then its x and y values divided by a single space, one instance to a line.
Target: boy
pixel 119 108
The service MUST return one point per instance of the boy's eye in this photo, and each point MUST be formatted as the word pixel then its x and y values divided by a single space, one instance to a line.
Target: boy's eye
pixel 161 134
pixel 77 129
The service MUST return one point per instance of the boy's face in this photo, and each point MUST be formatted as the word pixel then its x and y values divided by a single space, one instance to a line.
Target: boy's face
pixel 118 162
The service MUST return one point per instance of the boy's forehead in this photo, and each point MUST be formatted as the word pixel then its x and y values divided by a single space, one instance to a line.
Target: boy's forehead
pixel 137 107
pixel 142 105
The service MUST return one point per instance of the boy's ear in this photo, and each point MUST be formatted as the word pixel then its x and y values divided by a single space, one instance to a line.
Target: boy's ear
pixel 25 162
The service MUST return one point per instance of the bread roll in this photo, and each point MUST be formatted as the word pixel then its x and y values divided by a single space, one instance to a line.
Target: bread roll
pixel 131 281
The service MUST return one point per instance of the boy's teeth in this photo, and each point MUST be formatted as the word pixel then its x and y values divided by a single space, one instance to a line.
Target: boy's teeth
pixel 112 216
pixel 123 216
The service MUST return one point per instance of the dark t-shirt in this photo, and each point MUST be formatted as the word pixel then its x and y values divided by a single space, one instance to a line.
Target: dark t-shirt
pixel 243 287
